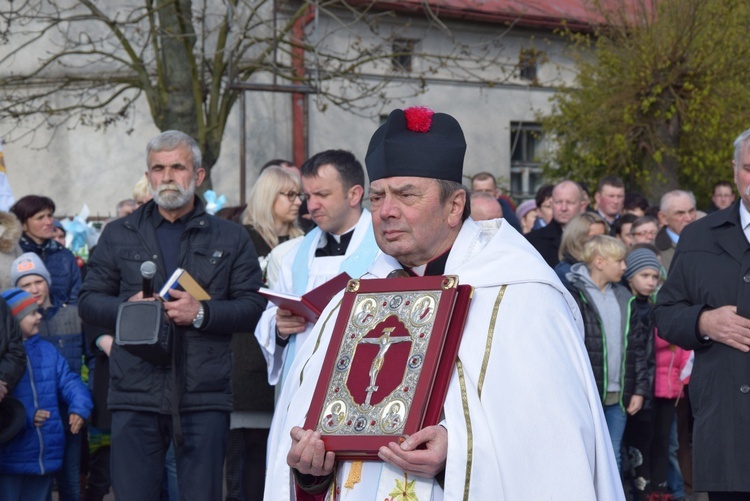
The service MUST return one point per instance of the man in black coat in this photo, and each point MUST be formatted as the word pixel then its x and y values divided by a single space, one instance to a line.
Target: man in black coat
pixel 705 306
pixel 192 398
pixel 567 197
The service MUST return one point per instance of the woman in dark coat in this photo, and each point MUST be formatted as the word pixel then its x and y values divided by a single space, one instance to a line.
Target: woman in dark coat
pixel 36 214
pixel 270 218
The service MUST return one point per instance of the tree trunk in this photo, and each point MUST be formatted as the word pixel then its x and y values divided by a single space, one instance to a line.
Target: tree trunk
pixel 182 95
pixel 664 174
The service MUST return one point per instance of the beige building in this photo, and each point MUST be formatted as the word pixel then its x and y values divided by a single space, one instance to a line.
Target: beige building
pixel 511 61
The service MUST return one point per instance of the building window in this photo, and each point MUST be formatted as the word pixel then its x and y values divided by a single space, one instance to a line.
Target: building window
pixel 528 60
pixel 403 54
pixel 526 144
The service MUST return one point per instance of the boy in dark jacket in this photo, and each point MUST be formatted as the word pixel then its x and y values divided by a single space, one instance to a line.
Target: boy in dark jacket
pixel 617 356
pixel 28 461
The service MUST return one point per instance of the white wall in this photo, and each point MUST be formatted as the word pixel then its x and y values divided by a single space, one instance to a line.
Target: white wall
pixel 100 168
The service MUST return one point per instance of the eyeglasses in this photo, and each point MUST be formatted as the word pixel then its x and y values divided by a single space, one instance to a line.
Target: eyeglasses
pixel 292 195
pixel 645 233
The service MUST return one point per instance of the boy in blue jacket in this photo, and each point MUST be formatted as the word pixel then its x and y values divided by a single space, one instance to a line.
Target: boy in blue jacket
pixel 28 461
pixel 60 326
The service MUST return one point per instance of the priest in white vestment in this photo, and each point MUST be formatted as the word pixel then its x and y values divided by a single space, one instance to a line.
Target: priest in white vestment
pixel 522 418
pixel 343 241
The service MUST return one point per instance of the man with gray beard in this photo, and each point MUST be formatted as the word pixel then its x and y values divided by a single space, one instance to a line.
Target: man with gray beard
pixel 190 399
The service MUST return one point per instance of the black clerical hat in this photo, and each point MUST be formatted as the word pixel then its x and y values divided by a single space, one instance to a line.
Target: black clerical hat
pixel 417 142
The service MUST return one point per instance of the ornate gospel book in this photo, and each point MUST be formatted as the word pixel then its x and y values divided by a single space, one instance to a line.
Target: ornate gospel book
pixel 389 362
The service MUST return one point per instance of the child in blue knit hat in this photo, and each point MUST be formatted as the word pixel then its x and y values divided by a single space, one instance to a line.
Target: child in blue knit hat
pixel 61 326
pixel 28 461
pixel 649 431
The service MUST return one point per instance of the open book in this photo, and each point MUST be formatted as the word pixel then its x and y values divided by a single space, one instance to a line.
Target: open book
pixel 181 279
pixel 313 302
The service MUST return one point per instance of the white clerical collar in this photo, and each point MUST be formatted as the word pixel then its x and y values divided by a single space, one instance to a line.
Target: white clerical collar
pixel 324 239
pixel 338 237
pixel 419 270
pixel 745 220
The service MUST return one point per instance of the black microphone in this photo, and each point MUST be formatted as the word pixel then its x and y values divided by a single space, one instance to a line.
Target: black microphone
pixel 148 270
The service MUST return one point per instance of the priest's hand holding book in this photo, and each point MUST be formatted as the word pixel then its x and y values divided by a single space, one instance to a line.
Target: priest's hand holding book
pixel 295 312
pixel 287 323
pixel 424 453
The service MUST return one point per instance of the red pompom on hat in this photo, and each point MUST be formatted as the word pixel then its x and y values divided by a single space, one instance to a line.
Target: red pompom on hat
pixel 418 118
pixel 417 142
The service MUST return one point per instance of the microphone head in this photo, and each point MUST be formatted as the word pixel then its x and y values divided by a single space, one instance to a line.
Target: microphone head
pixel 148 269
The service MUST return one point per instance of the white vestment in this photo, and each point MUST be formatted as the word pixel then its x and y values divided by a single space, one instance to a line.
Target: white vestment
pixel 523 416
pixel 320 270
pixel 276 258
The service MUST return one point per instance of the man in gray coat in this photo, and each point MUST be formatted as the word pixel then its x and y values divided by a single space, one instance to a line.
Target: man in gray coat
pixel 705 306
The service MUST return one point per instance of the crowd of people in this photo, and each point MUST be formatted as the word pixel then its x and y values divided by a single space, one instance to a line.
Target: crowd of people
pixel 613 333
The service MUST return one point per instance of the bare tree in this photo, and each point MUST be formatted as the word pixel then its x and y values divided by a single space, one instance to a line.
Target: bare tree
pixel 83 62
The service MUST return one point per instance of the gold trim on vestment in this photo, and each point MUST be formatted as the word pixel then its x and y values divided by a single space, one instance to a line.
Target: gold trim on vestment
pixel 490 334
pixel 469 435
pixel 355 475
pixel 317 342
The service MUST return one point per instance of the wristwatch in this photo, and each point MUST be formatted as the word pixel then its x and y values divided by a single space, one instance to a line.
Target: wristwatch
pixel 198 320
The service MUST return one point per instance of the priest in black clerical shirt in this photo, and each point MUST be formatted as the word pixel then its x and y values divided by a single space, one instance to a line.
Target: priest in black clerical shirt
pixel 333 185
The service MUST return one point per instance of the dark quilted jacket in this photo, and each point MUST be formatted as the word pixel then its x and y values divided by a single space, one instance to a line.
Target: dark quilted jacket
pixel 635 376
pixel 221 258
pixel 38 450
pixel 61 326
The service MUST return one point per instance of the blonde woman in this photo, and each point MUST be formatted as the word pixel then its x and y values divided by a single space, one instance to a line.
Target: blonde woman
pixel 575 235
pixel 270 218
pixel 271 213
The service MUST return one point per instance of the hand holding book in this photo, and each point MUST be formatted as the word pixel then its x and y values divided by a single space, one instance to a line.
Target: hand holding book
pixel 182 279
pixel 310 305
